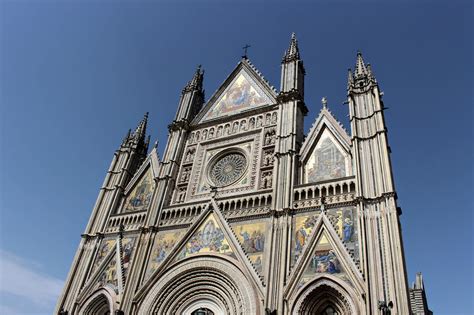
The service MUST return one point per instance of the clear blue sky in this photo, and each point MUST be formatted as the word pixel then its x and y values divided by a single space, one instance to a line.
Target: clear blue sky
pixel 74 76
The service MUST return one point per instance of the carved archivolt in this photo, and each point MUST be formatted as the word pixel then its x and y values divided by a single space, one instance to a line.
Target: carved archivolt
pixel 100 302
pixel 322 293
pixel 200 280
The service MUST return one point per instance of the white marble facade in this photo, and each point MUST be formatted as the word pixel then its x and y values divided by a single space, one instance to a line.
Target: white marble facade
pixel 244 214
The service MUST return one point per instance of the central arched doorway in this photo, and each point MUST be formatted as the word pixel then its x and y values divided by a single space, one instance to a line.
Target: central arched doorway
pixel 202 311
pixel 202 285
pixel 203 307
pixel 325 297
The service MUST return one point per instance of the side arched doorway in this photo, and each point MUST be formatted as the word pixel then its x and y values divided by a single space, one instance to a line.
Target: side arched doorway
pixel 99 303
pixel 325 297
pixel 203 285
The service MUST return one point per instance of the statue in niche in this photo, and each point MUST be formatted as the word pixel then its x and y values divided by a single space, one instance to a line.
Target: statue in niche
pixel 198 134
pixel 185 174
pixel 226 129
pixel 252 123
pixel 181 195
pixel 235 127
pixel 243 125
pixel 211 133
pixel 219 131
pixel 190 155
pixel 204 134
pixel 267 138
pixel 268 158
pixel 272 137
pixel 259 121
pixel 274 118
pixel 267 178
pixel 268 118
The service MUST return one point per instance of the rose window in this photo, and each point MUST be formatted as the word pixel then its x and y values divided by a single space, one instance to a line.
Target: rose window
pixel 228 169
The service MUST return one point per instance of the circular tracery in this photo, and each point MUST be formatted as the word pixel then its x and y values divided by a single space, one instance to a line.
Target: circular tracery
pixel 227 169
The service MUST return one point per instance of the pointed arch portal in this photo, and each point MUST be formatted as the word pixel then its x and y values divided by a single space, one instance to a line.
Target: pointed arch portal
pixel 99 303
pixel 201 284
pixel 324 297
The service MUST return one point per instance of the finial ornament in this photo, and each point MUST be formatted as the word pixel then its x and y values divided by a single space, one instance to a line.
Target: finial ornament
pixel 196 81
pixel 245 48
pixel 324 101
pixel 292 52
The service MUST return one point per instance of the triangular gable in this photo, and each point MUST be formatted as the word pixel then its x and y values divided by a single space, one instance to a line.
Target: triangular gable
pixel 324 254
pixel 324 260
pixel 108 272
pixel 139 190
pixel 209 234
pixel 325 120
pixel 105 248
pixel 326 151
pixel 208 238
pixel 244 89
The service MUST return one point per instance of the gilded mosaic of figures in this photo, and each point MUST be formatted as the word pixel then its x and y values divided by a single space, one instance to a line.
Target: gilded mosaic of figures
pixel 140 196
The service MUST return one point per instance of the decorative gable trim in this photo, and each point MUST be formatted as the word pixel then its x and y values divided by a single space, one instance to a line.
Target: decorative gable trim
pixel 152 161
pixel 249 70
pixel 323 225
pixel 325 120
pixel 170 260
pixel 93 282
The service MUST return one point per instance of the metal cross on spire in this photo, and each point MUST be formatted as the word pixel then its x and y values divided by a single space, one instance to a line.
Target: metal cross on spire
pixel 247 46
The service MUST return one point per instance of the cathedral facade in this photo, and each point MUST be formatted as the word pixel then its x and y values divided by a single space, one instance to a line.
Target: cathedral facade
pixel 244 213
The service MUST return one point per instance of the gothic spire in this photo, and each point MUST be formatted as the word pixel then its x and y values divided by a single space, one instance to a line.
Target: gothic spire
pixel 196 81
pixel 360 69
pixel 362 74
pixel 140 131
pixel 292 52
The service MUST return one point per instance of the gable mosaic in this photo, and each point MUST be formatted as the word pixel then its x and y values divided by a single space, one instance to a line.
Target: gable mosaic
pixel 164 243
pixel 323 260
pixel 252 238
pixel 209 238
pixel 241 94
pixel 326 162
pixel 140 196
pixel 110 275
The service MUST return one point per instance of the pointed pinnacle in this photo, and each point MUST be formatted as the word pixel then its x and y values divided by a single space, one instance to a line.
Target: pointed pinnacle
pixel 196 81
pixel 127 136
pixel 140 131
pixel 370 74
pixel 293 51
pixel 350 78
pixel 360 68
